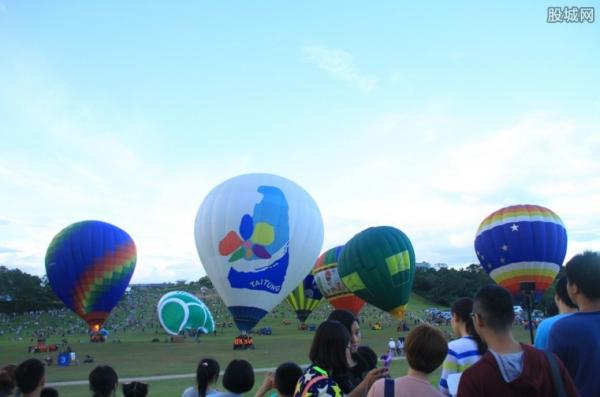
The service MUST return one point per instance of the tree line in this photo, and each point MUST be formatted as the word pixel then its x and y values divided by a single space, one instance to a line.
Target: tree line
pixel 22 292
pixel 444 286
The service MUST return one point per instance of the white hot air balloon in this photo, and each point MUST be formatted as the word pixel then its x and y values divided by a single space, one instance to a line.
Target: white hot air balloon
pixel 257 236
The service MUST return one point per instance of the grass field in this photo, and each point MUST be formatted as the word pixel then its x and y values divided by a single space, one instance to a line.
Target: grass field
pixel 137 356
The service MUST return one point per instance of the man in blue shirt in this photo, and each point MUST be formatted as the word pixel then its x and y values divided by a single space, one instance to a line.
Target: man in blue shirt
pixel 576 338
pixel 565 308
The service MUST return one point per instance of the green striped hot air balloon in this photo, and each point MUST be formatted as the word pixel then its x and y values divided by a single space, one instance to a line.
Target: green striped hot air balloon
pixel 378 265
pixel 305 298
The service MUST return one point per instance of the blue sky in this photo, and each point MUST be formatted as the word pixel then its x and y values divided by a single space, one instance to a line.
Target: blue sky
pixel 426 117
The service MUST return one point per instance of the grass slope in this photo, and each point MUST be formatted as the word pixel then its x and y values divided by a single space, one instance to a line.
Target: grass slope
pixel 137 356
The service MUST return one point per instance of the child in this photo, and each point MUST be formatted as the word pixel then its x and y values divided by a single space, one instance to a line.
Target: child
pixel 238 378
pixel 284 381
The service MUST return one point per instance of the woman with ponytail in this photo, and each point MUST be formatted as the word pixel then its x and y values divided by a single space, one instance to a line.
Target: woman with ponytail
pixel 467 349
pixel 207 375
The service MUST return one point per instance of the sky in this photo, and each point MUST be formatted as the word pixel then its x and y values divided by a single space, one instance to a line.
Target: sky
pixel 427 117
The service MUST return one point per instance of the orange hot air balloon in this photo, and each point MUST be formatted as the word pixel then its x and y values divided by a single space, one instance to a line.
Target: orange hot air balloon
pixel 330 284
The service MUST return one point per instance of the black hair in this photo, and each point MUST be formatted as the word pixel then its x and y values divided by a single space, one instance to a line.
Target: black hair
pixel 135 389
pixel 551 309
pixel 286 377
pixel 49 392
pixel 583 270
pixel 561 291
pixel 345 317
pixel 29 374
pixel 7 379
pixel 328 349
pixel 238 377
pixel 463 309
pixel 103 381
pixel 367 357
pixel 206 373
pixel 495 306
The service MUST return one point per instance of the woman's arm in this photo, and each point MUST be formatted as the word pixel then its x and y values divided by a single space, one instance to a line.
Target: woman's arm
pixel 363 388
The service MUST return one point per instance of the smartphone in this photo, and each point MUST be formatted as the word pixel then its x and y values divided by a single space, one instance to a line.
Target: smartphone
pixel 387 361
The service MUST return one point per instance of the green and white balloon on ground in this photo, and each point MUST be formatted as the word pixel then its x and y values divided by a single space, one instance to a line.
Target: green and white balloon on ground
pixel 180 311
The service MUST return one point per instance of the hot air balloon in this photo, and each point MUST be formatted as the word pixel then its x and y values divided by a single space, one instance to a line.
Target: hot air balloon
pixel 378 265
pixel 180 311
pixel 305 298
pixel 522 244
pixel 89 265
pixel 330 284
pixel 257 236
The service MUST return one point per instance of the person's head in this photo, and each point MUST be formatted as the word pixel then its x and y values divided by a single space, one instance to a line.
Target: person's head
pixel 583 275
pixel 238 377
pixel 207 373
pixel 286 377
pixel 493 310
pixel 330 347
pixel 349 321
pixel 29 375
pixel 561 297
pixel 135 389
pixel 7 379
pixel 49 392
pixel 103 381
pixel 426 348
pixel 461 319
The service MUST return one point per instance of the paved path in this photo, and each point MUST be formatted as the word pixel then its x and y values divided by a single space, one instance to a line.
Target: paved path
pixel 161 377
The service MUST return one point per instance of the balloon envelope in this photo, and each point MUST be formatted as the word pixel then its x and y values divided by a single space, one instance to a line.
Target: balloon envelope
pixel 522 243
pixel 89 265
pixel 257 236
pixel 181 311
pixel 378 264
pixel 305 298
pixel 330 284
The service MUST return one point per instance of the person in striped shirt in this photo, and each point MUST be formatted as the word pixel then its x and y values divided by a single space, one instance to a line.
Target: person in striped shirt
pixel 467 349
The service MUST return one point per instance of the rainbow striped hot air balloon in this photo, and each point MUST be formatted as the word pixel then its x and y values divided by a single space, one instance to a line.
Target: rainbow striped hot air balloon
pixel 89 265
pixel 522 244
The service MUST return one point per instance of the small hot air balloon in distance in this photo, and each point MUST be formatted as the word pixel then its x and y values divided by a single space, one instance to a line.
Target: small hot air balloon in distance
pixel 89 265
pixel 331 285
pixel 522 247
pixel 378 265
pixel 180 311
pixel 305 298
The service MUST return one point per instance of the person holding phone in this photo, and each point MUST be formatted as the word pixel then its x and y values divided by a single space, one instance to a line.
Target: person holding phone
pixel 329 355
pixel 361 360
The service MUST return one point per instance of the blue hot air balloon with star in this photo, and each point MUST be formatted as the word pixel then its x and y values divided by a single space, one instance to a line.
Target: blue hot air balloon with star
pixel 522 244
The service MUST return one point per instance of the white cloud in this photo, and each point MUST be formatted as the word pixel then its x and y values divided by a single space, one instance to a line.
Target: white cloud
pixel 436 178
pixel 340 65
pixel 4 250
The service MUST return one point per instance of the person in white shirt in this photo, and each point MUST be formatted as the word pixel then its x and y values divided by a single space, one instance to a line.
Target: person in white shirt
pixel 392 346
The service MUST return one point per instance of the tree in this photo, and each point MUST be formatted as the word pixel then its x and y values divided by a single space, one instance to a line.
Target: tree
pixel 27 292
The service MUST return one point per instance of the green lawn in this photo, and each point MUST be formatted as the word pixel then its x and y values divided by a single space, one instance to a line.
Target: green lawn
pixel 137 356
